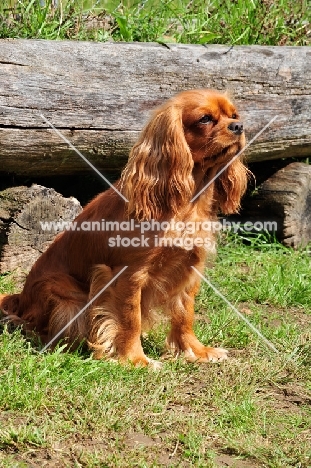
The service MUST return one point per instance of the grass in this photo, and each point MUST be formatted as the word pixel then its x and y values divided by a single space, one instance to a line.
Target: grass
pixel 63 409
pixel 266 22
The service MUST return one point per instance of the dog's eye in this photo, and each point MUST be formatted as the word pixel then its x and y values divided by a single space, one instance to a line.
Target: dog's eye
pixel 234 116
pixel 206 119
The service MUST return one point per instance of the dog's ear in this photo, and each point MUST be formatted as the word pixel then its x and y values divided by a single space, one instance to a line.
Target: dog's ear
pixel 230 187
pixel 157 179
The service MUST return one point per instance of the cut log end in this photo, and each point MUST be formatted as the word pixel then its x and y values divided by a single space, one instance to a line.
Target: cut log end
pixel 24 234
pixel 284 200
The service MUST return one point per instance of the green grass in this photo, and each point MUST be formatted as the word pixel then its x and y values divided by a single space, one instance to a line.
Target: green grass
pixel 69 410
pixel 62 409
pixel 281 22
pixel 6 284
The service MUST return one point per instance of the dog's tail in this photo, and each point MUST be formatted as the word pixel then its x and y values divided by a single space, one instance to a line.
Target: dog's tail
pixel 9 307
pixel 2 296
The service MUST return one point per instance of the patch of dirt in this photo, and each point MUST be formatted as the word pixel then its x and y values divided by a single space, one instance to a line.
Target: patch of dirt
pixel 8 419
pixel 275 317
pixel 224 460
pixel 137 439
pixel 289 397
pixel 202 317
pixel 42 458
pixel 161 454
pixel 62 454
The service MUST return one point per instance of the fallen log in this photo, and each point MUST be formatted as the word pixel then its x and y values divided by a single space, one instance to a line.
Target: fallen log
pixel 283 202
pixel 99 95
pixel 22 237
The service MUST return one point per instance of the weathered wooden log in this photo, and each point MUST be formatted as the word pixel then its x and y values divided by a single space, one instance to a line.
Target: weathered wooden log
pixel 283 204
pixel 22 237
pixel 99 95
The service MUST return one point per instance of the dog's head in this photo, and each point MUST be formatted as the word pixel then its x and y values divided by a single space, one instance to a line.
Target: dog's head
pixel 195 127
pixel 211 125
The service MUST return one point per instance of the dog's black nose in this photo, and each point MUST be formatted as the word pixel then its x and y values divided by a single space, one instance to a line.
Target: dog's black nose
pixel 236 127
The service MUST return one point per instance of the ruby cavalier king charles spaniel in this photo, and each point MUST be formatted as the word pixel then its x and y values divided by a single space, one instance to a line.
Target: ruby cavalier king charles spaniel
pixel 176 177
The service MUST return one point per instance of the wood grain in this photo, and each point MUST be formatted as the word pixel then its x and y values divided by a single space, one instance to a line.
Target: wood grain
pixel 99 95
pixel 22 239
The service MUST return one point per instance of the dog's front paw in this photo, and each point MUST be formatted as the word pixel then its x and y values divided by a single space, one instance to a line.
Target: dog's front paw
pixel 144 361
pixel 206 355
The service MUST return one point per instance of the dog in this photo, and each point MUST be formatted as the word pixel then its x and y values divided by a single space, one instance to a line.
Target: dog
pixel 181 172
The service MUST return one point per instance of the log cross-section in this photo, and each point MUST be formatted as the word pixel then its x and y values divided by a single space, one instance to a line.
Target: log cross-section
pixel 99 95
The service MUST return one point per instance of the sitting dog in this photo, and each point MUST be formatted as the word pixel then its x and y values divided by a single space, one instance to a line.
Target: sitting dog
pixel 176 177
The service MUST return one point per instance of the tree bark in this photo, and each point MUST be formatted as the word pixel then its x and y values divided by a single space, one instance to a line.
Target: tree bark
pixel 99 95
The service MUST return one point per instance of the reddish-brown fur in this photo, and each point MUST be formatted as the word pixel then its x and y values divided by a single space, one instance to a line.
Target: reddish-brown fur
pixel 175 156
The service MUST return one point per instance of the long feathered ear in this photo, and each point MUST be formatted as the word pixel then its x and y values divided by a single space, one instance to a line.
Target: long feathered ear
pixel 230 187
pixel 157 179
